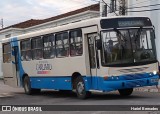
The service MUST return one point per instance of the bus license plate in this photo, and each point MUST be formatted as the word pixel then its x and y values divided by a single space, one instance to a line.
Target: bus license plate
pixel 154 80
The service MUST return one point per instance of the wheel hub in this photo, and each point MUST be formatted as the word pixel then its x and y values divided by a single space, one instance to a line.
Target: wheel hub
pixel 26 86
pixel 80 88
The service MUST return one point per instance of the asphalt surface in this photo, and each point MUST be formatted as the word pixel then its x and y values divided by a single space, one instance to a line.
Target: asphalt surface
pixel 16 96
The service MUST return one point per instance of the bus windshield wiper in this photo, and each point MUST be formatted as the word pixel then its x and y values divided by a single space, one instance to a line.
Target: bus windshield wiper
pixel 138 33
pixel 119 33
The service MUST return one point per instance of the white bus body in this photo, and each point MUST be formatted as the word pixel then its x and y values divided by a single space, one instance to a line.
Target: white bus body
pixel 90 69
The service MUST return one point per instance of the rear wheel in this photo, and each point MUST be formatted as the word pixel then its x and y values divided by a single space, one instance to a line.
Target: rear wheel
pixel 125 92
pixel 27 87
pixel 80 89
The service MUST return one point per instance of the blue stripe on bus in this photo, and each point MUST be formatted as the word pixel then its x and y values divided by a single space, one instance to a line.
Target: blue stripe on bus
pixel 61 82
pixel 64 83
pixel 51 83
pixel 14 42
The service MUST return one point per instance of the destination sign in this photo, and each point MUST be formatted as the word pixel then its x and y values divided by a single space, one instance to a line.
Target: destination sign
pixel 125 22
pixel 130 23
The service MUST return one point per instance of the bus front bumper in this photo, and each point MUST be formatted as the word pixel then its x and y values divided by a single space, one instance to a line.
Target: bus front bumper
pixel 124 84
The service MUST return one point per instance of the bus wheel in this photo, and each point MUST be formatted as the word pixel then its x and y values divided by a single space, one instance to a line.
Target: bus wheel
pixel 125 92
pixel 27 87
pixel 80 89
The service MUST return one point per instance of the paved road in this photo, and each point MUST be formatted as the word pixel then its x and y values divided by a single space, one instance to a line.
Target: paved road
pixel 16 96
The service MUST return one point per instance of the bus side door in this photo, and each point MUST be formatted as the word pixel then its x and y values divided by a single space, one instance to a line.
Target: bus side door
pixel 93 59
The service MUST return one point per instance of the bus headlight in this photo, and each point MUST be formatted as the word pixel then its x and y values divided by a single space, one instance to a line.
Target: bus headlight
pixel 154 72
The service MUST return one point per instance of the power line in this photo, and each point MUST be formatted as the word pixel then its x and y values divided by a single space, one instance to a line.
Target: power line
pixel 144 6
pixel 141 2
pixel 147 6
pixel 145 10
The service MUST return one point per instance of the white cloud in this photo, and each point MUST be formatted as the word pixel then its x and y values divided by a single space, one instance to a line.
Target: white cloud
pixel 15 11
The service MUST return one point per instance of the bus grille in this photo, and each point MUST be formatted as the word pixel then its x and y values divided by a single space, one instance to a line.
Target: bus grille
pixel 135 76
pixel 133 70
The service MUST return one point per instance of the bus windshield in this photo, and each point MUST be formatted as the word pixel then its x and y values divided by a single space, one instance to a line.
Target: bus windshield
pixel 128 46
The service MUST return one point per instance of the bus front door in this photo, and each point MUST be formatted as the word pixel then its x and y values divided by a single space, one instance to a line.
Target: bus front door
pixel 93 59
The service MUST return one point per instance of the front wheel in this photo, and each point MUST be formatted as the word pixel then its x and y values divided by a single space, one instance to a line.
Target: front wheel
pixel 80 89
pixel 125 92
pixel 27 87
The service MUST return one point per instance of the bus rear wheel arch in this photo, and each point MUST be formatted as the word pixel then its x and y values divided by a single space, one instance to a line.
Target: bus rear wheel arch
pixel 27 86
pixel 125 92
pixel 75 75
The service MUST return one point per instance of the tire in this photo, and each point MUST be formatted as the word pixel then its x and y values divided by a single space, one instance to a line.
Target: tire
pixel 27 87
pixel 125 92
pixel 80 89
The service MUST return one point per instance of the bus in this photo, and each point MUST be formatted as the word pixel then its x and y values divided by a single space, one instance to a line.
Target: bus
pixel 96 55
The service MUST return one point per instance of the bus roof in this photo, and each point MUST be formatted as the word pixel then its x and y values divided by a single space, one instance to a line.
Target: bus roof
pixel 69 26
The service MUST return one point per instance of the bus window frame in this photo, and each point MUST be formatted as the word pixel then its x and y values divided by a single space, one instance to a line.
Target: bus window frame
pixel 8 53
pixel 28 39
pixel 58 33
pixel 33 49
pixel 52 47
pixel 81 42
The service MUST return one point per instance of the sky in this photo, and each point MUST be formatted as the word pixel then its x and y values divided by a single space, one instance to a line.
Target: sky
pixel 16 11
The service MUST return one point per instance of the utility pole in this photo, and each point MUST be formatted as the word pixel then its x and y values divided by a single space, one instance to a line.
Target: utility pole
pixel 122 7
pixel 1 23
pixel 105 8
pixel 102 9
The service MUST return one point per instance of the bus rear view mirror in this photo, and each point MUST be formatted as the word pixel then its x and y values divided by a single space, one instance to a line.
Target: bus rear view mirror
pixel 99 44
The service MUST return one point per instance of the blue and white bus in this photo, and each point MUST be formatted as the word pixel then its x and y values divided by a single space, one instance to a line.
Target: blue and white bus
pixel 99 54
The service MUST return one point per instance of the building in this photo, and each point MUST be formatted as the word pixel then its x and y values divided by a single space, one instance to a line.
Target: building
pixel 34 25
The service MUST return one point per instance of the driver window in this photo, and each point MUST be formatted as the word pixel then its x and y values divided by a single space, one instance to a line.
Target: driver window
pixel 111 45
pixel 117 47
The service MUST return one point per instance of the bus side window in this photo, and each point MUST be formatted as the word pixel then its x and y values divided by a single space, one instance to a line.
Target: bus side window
pixel 62 44
pixel 26 50
pixel 7 53
pixel 76 46
pixel 37 48
pixel 49 46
